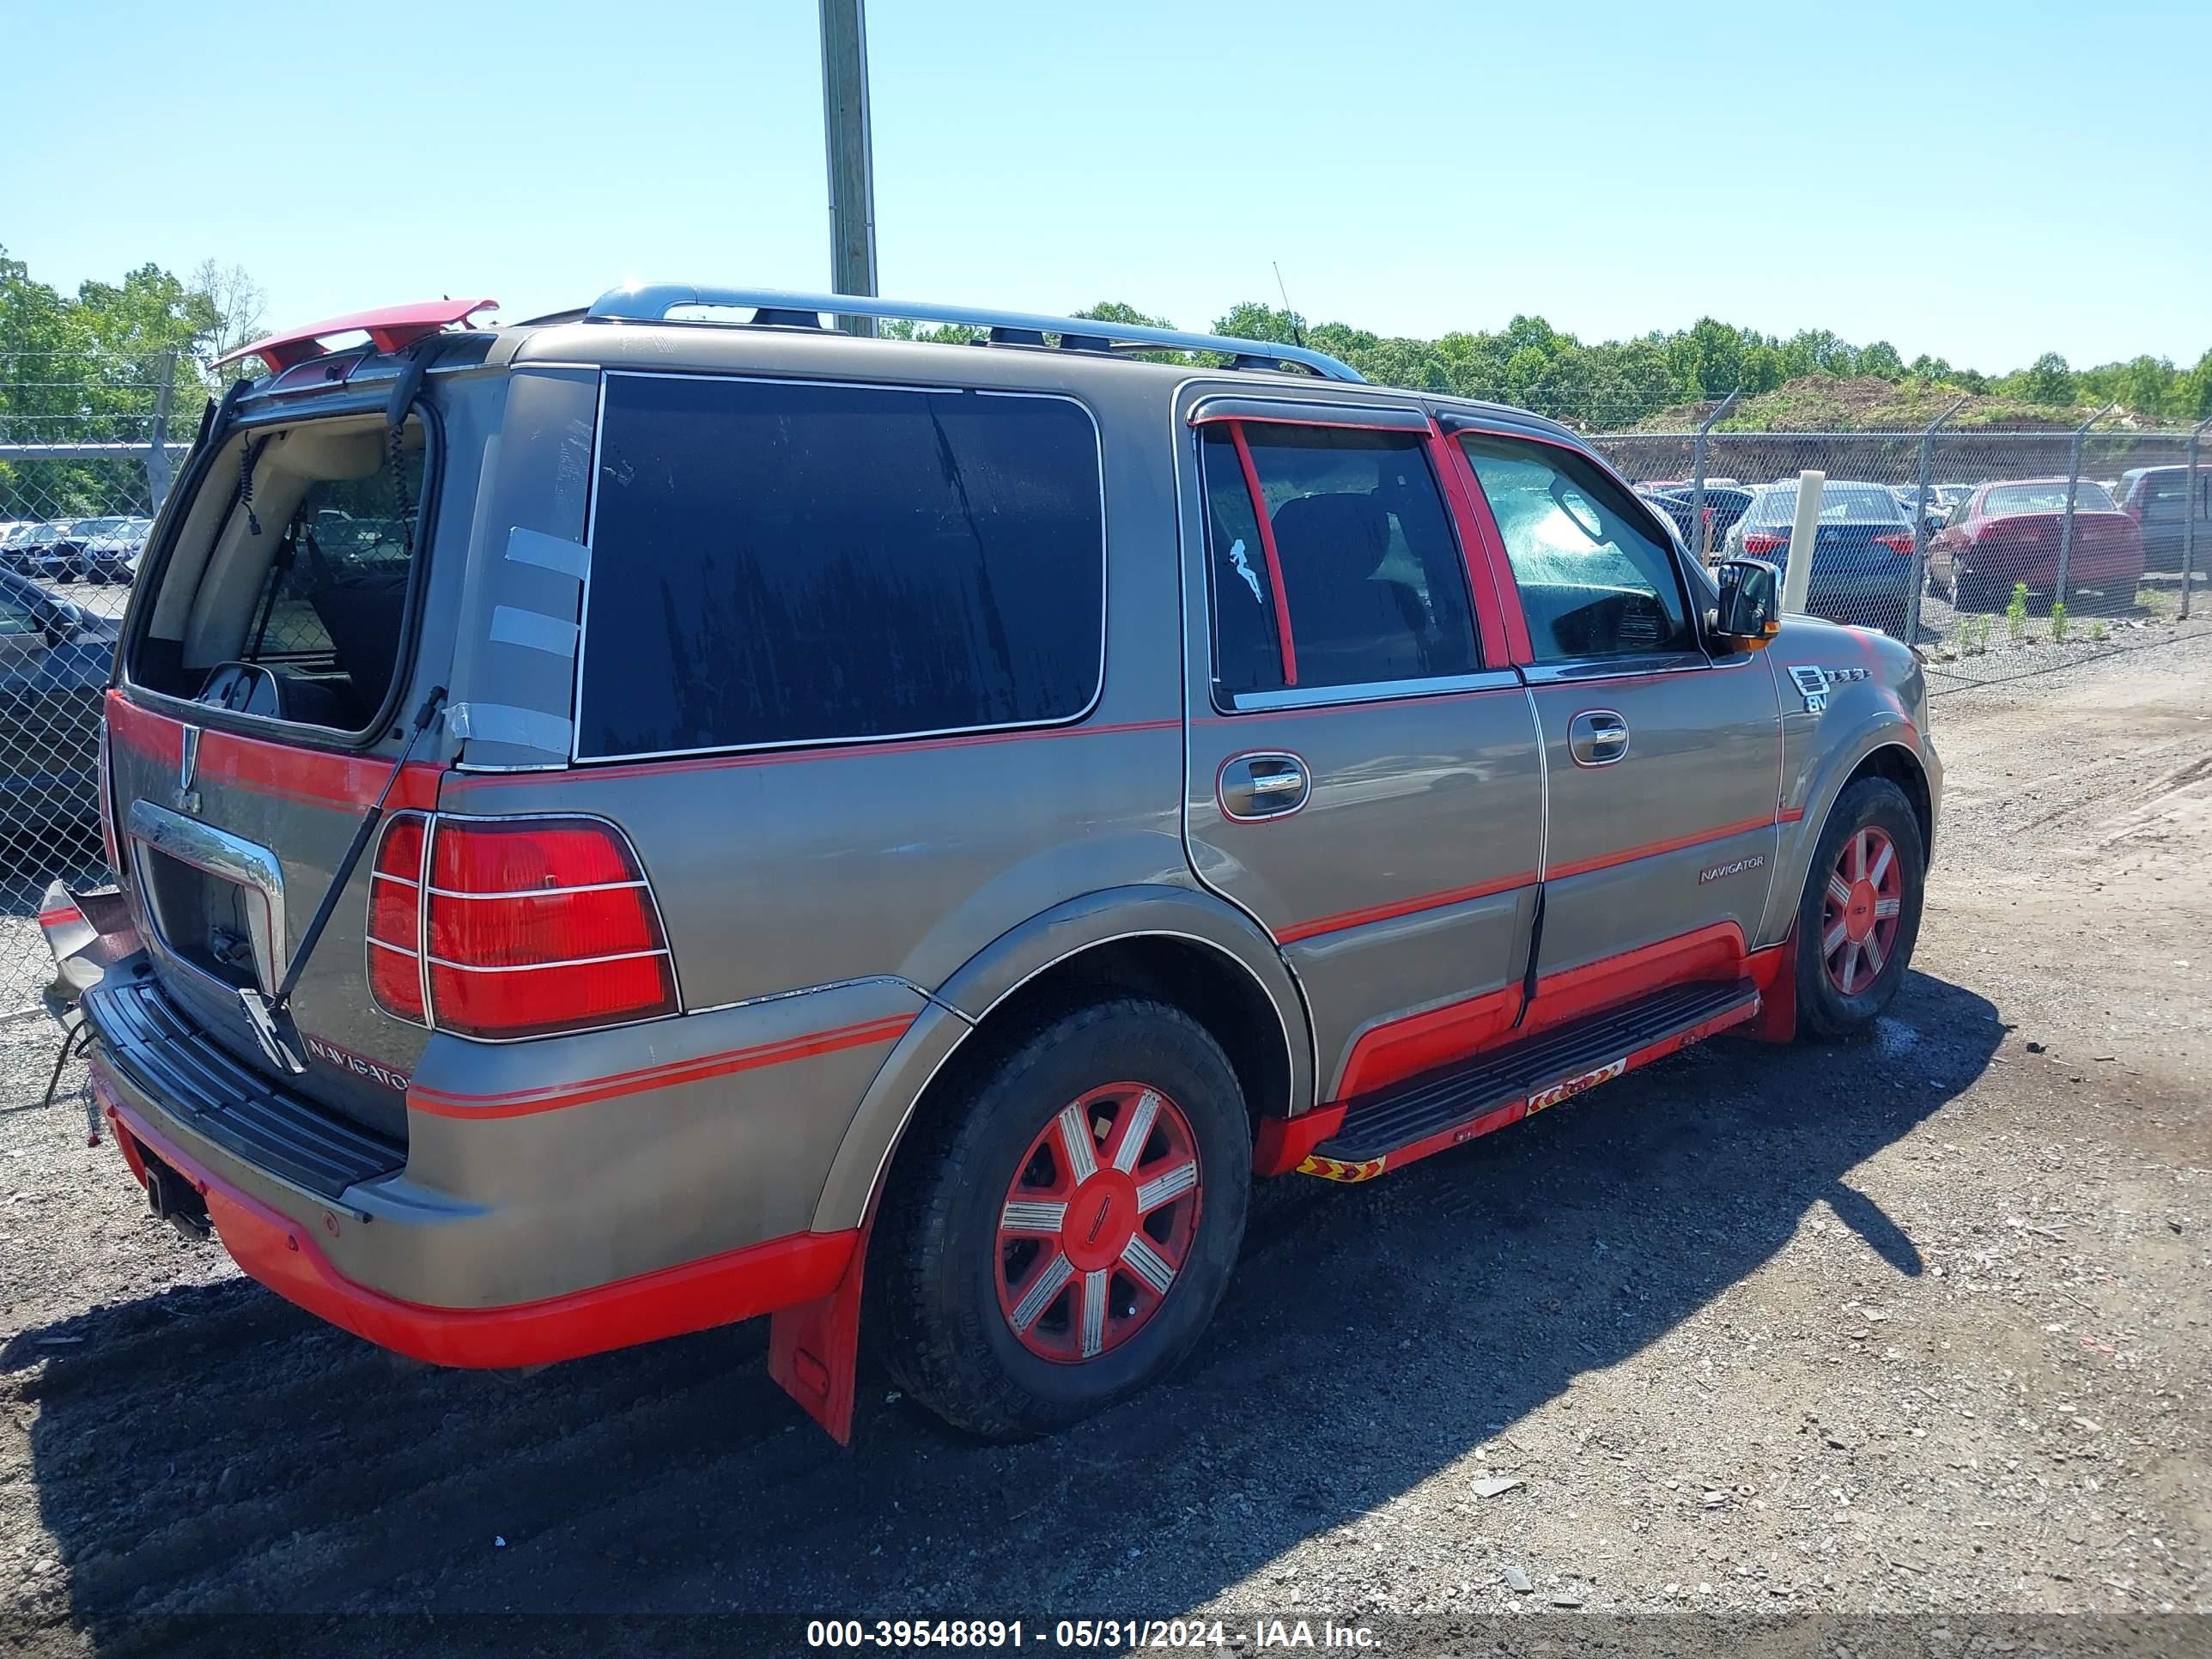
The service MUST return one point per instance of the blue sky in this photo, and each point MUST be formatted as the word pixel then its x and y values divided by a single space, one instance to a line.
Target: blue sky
pixel 1982 180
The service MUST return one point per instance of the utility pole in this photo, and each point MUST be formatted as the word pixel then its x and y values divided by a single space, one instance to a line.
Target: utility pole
pixel 852 168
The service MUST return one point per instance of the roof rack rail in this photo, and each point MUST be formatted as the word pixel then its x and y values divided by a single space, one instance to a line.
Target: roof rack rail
pixel 651 302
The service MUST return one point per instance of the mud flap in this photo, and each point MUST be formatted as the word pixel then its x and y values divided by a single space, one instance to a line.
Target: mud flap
pixel 1775 972
pixel 814 1348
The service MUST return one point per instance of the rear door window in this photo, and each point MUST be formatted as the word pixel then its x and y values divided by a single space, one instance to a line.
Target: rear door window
pixel 780 562
pixel 1354 578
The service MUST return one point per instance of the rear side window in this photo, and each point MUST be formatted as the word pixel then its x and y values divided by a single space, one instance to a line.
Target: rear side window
pixel 778 562
pixel 1372 586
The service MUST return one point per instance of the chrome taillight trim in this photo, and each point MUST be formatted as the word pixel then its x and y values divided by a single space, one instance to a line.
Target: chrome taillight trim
pixel 538 892
pixel 543 967
pixel 426 1021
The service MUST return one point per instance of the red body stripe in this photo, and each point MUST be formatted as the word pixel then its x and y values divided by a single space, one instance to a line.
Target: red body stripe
pixel 1504 628
pixel 522 1102
pixel 717 1290
pixel 1344 919
pixel 1476 506
pixel 1268 548
pixel 143 732
pixel 1655 848
pixel 282 771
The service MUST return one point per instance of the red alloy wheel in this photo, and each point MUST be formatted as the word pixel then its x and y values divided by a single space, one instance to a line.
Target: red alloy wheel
pixel 1098 1221
pixel 1858 911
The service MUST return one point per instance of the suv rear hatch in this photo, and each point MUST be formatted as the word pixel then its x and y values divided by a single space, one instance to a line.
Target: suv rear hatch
pixel 266 669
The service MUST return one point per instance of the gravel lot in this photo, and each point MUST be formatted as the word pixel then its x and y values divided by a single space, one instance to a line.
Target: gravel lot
pixel 1914 1325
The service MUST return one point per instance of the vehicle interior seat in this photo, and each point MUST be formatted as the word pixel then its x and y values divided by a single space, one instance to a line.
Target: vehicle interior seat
pixel 1352 624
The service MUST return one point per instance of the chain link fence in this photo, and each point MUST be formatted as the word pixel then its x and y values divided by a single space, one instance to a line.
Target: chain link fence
pixel 88 448
pixel 1994 553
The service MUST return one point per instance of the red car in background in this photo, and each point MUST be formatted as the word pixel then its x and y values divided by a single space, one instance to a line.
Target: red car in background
pixel 2004 534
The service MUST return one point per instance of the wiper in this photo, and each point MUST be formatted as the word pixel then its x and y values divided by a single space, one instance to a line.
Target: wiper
pixel 272 1026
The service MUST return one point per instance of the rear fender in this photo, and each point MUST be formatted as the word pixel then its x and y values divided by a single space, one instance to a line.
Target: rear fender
pixel 814 1347
pixel 965 1000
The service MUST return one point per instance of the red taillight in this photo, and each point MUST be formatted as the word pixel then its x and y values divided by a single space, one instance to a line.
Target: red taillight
pixel 1899 543
pixel 1755 545
pixel 534 925
pixel 108 808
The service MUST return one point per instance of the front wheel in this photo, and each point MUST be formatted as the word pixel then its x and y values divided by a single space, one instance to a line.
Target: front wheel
pixel 1060 1238
pixel 1860 915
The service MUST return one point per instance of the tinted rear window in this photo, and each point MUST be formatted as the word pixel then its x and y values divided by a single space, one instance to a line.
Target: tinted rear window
pixel 2045 498
pixel 776 562
pixel 1840 503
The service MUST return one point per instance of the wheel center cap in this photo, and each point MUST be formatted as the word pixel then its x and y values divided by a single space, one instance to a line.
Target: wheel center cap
pixel 1101 1216
pixel 1859 914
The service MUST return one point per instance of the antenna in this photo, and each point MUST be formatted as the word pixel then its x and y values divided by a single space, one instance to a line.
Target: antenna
pixel 1297 329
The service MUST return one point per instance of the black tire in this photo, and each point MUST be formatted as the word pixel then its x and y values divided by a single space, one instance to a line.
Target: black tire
pixel 936 1261
pixel 1975 591
pixel 1824 1008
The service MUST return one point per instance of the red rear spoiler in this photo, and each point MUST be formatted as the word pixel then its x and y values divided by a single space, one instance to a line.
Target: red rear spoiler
pixel 389 330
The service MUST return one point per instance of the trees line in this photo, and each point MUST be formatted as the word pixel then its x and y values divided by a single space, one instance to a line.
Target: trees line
pixel 84 360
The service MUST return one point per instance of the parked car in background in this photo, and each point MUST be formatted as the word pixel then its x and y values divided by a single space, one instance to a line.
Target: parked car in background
pixel 54 658
pixel 107 547
pixel 2004 534
pixel 1723 505
pixel 1861 558
pixel 2159 500
pixel 1930 508
pixel 50 552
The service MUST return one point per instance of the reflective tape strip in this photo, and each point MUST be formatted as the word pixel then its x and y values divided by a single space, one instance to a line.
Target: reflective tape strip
pixel 533 630
pixel 548 552
pixel 499 722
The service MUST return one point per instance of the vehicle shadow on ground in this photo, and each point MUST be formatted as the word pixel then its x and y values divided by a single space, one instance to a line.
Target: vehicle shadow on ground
pixel 212 1449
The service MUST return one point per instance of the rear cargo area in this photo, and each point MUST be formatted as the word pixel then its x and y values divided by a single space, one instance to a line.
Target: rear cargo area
pixel 262 660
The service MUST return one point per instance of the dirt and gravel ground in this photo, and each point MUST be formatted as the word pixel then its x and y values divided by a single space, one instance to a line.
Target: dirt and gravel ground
pixel 1917 1325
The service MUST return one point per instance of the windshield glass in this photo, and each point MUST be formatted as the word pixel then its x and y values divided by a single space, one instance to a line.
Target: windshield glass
pixel 2046 497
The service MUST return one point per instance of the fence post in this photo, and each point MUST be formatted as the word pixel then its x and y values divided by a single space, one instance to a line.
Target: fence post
pixel 1920 525
pixel 157 451
pixel 2073 485
pixel 2189 504
pixel 1699 532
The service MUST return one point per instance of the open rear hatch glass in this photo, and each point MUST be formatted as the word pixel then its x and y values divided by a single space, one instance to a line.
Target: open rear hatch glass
pixel 263 666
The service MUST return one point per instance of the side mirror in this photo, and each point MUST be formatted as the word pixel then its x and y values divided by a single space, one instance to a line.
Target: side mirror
pixel 1749 614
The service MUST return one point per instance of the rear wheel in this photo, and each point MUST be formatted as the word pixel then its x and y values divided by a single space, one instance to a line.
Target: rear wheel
pixel 1860 915
pixel 1062 1242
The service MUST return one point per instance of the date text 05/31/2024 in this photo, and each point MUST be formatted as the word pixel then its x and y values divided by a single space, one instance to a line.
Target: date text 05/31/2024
pixel 1110 1635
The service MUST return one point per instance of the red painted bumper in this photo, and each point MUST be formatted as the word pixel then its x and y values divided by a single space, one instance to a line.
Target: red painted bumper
pixel 282 1253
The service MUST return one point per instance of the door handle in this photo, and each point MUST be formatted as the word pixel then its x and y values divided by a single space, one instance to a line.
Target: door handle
pixel 1597 736
pixel 1269 785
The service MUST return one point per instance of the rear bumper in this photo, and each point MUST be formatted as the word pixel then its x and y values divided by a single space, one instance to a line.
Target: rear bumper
pixel 518 1226
pixel 282 1251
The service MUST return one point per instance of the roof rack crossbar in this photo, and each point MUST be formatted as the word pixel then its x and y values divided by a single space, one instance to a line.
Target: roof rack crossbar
pixel 652 302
